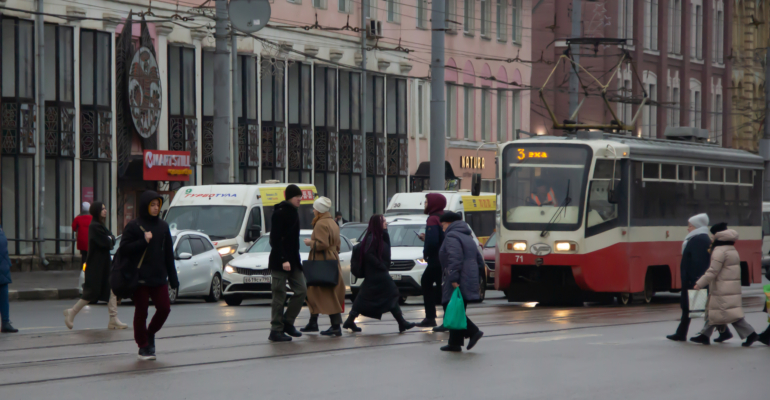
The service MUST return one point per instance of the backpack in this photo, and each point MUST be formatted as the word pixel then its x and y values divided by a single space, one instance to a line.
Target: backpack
pixel 356 266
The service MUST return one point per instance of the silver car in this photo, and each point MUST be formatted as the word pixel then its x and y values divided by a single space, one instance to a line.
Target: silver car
pixel 198 266
pixel 247 276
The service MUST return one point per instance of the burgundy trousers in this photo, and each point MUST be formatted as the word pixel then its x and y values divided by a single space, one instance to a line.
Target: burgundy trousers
pixel 142 296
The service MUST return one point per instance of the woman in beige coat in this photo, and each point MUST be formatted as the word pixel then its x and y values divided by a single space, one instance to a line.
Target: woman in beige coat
pixel 324 244
pixel 724 281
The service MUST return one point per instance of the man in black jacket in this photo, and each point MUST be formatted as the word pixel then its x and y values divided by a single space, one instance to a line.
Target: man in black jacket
pixel 286 266
pixel 146 242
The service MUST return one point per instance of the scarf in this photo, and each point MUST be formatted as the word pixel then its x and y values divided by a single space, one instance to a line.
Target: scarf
pixel 695 232
pixel 720 243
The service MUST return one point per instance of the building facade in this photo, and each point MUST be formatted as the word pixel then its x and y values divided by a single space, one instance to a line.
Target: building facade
pixel 751 37
pixel 295 93
pixel 679 48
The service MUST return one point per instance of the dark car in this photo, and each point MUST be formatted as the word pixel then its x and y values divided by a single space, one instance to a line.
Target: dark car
pixel 489 259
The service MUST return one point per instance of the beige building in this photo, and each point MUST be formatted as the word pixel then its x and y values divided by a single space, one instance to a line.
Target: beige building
pixel 751 36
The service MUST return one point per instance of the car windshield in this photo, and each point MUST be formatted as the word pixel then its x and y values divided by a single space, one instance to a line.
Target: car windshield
pixel 543 186
pixel 405 235
pixel 305 216
pixel 353 231
pixel 492 241
pixel 262 245
pixel 404 211
pixel 117 245
pixel 219 222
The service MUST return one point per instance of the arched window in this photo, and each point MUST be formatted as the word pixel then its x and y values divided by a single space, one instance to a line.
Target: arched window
pixel 718 31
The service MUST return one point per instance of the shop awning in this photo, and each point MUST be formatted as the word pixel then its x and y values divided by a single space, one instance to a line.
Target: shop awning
pixel 423 171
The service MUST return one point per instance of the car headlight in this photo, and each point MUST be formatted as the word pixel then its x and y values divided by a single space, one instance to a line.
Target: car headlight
pixel 227 250
pixel 565 247
pixel 519 246
pixel 422 261
pixel 229 269
pixel 84 267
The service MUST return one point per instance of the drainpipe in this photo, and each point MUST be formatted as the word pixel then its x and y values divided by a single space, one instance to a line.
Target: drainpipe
pixel 39 62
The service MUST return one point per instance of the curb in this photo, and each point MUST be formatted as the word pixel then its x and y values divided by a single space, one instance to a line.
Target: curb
pixel 43 294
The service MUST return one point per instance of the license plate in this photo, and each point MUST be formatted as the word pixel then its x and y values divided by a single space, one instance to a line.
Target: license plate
pixel 256 279
pixel 396 277
pixel 491 274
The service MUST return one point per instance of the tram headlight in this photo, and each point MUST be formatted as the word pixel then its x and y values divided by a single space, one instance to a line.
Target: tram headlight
pixel 518 246
pixel 565 247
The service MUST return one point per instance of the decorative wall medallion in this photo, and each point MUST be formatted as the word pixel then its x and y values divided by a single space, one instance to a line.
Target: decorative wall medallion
pixel 144 92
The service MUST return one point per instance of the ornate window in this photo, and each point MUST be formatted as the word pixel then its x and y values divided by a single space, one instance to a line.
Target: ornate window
pixel 182 120
pixel 300 127
pixel 375 145
pixel 18 123
pixel 326 132
pixel 273 121
pixel 60 138
pixel 207 139
pixel 248 123
pixel 350 146
pixel 397 142
pixel 95 116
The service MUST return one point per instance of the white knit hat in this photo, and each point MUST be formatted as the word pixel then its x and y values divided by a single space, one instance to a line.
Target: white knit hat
pixel 322 204
pixel 85 206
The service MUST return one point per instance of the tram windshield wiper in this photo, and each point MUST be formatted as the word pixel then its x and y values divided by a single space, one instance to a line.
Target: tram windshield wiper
pixel 557 214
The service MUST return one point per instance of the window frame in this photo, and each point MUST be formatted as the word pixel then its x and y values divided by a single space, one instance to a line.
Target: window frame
pixel 189 122
pixel 469 13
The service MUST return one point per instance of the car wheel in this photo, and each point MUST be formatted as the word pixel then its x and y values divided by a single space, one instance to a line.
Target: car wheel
pixel 215 292
pixel 402 300
pixel 649 289
pixel 233 300
pixel 172 295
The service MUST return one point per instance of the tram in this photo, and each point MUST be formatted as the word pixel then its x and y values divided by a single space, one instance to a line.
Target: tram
pixel 602 216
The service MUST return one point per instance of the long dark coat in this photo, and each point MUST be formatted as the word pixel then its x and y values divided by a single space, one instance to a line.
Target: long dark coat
pixel 695 261
pixel 461 262
pixel 98 263
pixel 378 294
pixel 284 238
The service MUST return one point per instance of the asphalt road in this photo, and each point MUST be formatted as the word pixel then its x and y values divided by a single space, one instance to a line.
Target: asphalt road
pixel 528 352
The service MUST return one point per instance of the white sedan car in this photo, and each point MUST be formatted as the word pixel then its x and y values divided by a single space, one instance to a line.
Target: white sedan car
pixel 248 276
pixel 198 266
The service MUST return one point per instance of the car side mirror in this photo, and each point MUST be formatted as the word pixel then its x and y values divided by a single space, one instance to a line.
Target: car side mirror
pixel 184 256
pixel 253 233
pixel 476 185
pixel 241 251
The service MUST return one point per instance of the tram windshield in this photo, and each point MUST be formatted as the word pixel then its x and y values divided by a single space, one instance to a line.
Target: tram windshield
pixel 543 185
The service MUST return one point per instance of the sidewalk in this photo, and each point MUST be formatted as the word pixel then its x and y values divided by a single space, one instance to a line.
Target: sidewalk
pixel 44 285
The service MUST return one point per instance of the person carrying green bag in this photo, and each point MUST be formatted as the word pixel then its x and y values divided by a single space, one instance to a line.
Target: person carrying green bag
pixel 461 262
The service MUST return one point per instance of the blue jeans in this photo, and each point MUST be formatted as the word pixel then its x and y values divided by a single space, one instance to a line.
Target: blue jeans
pixel 4 313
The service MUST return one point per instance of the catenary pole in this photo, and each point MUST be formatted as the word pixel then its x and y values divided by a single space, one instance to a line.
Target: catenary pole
pixel 362 108
pixel 40 61
pixel 573 77
pixel 221 92
pixel 437 102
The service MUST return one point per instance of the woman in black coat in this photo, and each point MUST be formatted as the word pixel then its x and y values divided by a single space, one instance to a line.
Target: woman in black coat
pixel 378 294
pixel 97 274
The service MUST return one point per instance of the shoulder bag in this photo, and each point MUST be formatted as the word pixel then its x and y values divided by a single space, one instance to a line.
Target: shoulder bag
pixel 124 279
pixel 321 272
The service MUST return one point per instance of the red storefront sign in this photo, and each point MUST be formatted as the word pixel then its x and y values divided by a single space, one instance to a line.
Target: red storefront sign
pixel 162 165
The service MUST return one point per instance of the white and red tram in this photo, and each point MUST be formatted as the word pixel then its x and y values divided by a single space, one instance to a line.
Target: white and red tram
pixel 620 237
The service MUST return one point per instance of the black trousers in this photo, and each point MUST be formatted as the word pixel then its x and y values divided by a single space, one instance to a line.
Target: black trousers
pixel 457 337
pixel 684 323
pixel 84 256
pixel 431 276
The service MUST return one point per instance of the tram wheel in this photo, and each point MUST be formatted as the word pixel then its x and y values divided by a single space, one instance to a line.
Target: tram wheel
pixel 649 289
pixel 624 299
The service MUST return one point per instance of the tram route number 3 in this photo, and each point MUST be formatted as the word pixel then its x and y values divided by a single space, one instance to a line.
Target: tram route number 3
pixel 522 154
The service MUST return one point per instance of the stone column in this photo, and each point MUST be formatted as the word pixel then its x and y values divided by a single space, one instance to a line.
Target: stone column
pixel 163 29
pixel 110 23
pixel 197 36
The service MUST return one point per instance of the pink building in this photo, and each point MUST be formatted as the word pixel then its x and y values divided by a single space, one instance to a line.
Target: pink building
pixel 680 48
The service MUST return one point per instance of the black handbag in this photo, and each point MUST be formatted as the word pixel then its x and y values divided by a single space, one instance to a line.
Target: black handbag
pixel 324 273
pixel 124 278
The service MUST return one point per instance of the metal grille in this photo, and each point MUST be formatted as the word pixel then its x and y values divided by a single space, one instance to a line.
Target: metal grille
pixel 252 272
pixel 401 265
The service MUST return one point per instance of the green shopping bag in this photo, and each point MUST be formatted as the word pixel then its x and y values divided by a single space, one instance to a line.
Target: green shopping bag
pixel 454 316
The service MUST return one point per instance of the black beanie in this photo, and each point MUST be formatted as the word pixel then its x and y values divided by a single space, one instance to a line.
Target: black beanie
pixel 722 226
pixel 292 191
pixel 450 217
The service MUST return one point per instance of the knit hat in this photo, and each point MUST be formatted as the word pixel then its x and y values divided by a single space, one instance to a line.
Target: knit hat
pixel 450 217
pixel 322 204
pixel 722 226
pixel 292 191
pixel 699 221
pixel 85 207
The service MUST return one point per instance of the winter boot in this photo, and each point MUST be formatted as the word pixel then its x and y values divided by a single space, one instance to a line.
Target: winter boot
pixel 8 328
pixel 335 330
pixel 764 337
pixel 724 336
pixel 474 339
pixel 452 348
pixel 312 325
pixel 69 314
pixel 702 339
pixel 427 323
pixel 276 336
pixel 403 325
pixel 290 330
pixel 116 324
pixel 350 323
pixel 440 328
pixel 750 340
pixel 676 338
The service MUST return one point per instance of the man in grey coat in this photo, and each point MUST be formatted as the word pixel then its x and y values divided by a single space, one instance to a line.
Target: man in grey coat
pixel 461 262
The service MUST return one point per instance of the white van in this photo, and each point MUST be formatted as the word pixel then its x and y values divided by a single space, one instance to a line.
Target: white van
pixel 477 211
pixel 234 216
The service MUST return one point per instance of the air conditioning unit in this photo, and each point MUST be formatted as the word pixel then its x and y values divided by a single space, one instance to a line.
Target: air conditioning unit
pixel 374 29
pixel 686 133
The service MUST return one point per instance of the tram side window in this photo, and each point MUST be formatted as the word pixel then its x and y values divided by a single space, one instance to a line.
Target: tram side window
pixel 600 210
